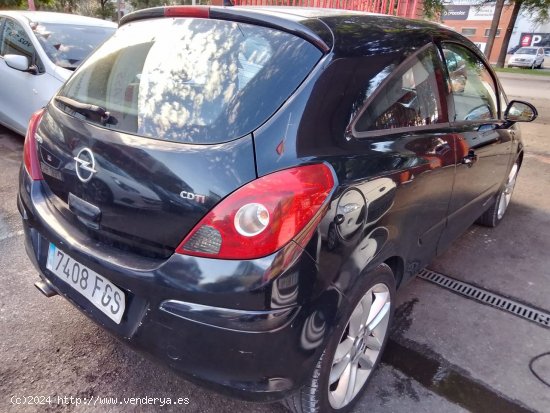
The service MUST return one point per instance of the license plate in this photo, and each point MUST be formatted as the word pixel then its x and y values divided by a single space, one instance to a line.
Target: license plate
pixel 102 293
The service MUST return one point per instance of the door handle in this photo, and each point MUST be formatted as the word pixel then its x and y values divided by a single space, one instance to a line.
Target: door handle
pixel 470 159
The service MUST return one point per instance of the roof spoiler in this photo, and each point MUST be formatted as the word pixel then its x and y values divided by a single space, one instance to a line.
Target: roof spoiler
pixel 236 14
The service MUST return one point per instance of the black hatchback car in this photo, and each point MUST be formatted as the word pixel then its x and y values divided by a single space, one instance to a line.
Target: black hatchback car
pixel 239 192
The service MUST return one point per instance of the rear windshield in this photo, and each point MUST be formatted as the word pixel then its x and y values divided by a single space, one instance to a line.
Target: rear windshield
pixel 191 80
pixel 68 44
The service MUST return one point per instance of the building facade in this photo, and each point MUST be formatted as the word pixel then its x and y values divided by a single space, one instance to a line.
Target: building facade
pixel 474 21
pixel 529 32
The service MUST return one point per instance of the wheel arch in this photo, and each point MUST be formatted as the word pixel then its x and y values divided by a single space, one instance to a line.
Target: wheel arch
pixel 520 158
pixel 397 265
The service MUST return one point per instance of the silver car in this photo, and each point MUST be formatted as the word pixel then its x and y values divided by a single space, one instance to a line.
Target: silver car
pixel 38 52
pixel 532 57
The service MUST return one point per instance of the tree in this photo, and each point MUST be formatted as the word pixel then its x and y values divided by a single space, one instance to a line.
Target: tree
pixel 87 8
pixel 106 9
pixel 508 33
pixel 494 27
pixel 22 4
pixel 11 4
pixel 539 9
pixel 66 6
pixel 433 9
pixel 143 4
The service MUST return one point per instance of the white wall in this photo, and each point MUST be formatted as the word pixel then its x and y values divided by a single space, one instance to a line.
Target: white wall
pixel 525 24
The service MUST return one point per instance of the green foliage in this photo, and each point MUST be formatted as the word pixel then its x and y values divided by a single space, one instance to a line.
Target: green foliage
pixel 96 8
pixel 433 9
pixel 23 4
pixel 105 9
pixel 67 6
pixel 522 71
pixel 143 4
pixel 539 9
pixel 12 4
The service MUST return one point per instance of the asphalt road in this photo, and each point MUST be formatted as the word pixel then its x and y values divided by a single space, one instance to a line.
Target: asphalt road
pixel 527 86
pixel 48 348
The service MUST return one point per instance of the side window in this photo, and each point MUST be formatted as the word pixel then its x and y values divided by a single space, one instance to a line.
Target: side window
pixel 14 40
pixel 473 88
pixel 409 98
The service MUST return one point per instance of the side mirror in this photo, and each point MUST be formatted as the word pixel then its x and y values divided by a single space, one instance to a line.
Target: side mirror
pixel 20 63
pixel 518 111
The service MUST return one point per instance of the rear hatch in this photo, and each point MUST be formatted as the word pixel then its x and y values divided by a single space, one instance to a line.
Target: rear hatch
pixel 155 127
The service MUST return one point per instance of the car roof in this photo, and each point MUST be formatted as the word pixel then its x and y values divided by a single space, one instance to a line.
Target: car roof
pixel 304 12
pixel 349 26
pixel 346 32
pixel 59 18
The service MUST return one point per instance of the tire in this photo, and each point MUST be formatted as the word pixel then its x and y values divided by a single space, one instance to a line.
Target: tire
pixel 494 215
pixel 364 352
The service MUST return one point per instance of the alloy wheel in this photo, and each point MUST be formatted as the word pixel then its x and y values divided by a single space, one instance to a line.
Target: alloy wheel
pixel 360 346
pixel 506 194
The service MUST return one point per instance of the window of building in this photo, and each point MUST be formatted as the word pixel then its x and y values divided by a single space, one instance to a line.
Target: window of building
pixel 469 31
pixel 488 30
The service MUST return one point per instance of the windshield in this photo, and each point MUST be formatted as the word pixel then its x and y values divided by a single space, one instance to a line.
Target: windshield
pixel 189 80
pixel 68 44
pixel 526 50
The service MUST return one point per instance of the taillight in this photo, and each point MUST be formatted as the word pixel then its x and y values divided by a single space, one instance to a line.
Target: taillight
pixel 187 11
pixel 30 153
pixel 262 216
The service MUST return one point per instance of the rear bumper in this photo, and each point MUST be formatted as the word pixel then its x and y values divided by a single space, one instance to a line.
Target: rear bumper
pixel 221 323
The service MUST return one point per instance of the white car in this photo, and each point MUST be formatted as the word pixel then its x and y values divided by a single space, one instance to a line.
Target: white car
pixel 38 52
pixel 532 57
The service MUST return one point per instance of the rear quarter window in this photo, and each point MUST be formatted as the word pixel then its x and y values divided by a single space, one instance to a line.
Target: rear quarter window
pixel 192 80
pixel 408 97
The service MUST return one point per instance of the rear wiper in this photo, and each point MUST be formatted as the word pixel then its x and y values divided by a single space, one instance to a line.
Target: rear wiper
pixel 91 112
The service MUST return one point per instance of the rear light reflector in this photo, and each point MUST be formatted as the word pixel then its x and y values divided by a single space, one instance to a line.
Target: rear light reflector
pixel 30 152
pixel 187 11
pixel 206 240
pixel 263 216
pixel 251 219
